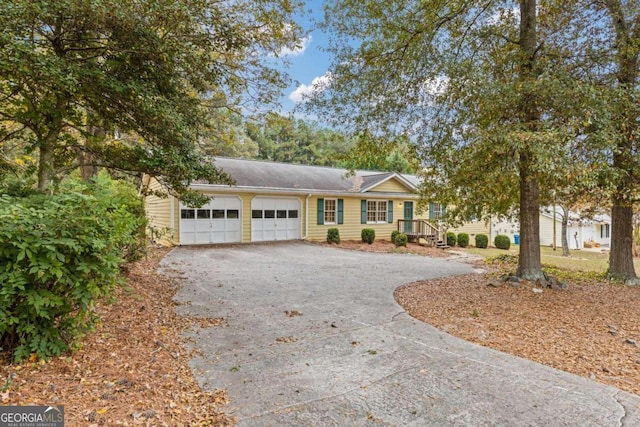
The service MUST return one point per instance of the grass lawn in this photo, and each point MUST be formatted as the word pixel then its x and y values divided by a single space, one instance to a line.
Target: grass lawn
pixel 580 260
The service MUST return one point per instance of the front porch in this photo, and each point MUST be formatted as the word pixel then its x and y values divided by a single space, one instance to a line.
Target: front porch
pixel 416 229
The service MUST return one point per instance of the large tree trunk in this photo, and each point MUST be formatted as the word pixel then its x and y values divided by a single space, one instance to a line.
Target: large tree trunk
pixel 529 266
pixel 628 55
pixel 621 255
pixel 46 170
pixel 565 226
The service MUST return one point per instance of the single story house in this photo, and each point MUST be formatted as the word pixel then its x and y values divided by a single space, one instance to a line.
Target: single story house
pixel 278 201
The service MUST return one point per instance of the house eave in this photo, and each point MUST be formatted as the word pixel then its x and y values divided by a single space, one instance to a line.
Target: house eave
pixel 215 188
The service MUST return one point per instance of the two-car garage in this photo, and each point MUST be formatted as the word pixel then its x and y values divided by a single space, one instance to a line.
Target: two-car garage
pixel 220 220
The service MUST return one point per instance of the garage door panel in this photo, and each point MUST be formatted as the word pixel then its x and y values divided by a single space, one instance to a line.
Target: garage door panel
pixel 219 221
pixel 275 219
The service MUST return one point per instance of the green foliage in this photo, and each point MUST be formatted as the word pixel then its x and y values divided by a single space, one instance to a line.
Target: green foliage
pixel 333 235
pixel 378 154
pixel 463 240
pixel 72 73
pixel 482 241
pixel 451 238
pixel 368 235
pixel 290 140
pixel 401 240
pixel 394 234
pixel 502 241
pixel 59 255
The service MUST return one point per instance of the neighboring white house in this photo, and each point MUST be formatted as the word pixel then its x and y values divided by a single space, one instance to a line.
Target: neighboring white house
pixel 596 230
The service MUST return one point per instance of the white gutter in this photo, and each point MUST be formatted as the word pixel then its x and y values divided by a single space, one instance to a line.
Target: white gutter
pixel 306 221
pixel 289 191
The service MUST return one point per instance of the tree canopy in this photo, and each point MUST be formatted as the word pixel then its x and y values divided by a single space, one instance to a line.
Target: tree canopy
pixel 505 100
pixel 74 75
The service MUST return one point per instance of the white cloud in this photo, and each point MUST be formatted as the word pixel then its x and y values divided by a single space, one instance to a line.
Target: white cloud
pixel 298 50
pixel 304 92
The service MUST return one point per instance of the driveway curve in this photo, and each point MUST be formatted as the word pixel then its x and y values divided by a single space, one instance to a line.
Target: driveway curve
pixel 314 337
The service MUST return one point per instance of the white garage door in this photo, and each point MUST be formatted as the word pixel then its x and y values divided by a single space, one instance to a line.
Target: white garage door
pixel 275 219
pixel 219 221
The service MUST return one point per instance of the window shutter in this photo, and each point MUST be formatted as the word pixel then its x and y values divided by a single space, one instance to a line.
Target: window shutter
pixel 431 208
pixel 390 212
pixel 340 211
pixel 320 211
pixel 363 211
pixel 443 211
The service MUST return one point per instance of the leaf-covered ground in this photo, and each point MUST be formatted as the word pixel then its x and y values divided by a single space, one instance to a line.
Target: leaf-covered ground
pixel 591 329
pixel 133 370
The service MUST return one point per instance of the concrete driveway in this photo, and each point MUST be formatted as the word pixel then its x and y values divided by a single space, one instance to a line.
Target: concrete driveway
pixel 315 338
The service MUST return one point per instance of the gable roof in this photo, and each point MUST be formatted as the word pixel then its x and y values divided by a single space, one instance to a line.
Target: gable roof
pixel 265 175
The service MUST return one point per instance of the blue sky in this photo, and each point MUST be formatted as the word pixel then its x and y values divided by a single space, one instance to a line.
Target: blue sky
pixel 310 62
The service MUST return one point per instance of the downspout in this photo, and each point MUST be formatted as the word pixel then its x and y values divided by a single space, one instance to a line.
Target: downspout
pixel 306 221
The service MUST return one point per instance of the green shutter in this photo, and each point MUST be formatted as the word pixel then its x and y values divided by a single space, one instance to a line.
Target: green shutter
pixel 340 211
pixel 320 211
pixel 443 211
pixel 363 212
pixel 390 212
pixel 431 210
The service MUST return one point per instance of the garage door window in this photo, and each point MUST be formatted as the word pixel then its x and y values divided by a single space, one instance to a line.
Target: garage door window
pixel 282 214
pixel 187 213
pixel 204 214
pixel 293 214
pixel 269 214
pixel 256 214
pixel 233 214
pixel 218 214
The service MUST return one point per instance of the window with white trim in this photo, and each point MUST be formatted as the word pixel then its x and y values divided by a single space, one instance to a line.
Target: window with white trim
pixel 376 211
pixel 330 211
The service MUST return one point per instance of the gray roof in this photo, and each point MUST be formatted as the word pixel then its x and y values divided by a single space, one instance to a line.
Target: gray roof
pixel 286 176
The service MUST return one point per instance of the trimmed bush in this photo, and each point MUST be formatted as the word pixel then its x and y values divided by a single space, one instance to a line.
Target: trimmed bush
pixel 482 241
pixel 61 254
pixel 394 234
pixel 333 235
pixel 463 240
pixel 401 240
pixel 502 241
pixel 451 238
pixel 368 235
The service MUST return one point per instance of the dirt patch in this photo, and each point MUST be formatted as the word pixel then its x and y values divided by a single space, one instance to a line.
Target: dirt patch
pixel 133 370
pixel 591 329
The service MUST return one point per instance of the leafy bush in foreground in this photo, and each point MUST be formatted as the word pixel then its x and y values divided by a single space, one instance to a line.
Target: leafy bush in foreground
pixel 60 254
pixel 333 235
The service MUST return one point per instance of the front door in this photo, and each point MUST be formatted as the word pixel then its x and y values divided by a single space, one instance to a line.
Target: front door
pixel 408 216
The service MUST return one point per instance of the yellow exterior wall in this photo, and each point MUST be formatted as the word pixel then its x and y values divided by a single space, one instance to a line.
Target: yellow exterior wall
pixel 159 215
pixel 390 186
pixel 351 229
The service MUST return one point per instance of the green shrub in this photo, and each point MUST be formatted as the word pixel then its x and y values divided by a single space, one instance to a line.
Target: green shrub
pixel 502 242
pixel 401 240
pixel 59 255
pixel 451 238
pixel 463 240
pixel 333 235
pixel 394 234
pixel 368 235
pixel 482 241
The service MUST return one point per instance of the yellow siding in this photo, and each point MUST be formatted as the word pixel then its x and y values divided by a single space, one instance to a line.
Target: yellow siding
pixel 159 215
pixel 351 229
pixel 390 186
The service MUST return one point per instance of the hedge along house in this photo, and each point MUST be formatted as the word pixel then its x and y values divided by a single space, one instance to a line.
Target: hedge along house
pixel 278 201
